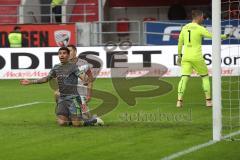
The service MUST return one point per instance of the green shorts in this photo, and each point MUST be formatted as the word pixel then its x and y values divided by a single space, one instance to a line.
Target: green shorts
pixel 199 66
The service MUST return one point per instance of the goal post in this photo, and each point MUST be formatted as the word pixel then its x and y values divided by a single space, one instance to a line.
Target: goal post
pixel 216 70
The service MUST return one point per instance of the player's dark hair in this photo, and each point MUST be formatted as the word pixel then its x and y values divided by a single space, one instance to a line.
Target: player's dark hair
pixel 72 46
pixel 64 48
pixel 16 28
pixel 196 13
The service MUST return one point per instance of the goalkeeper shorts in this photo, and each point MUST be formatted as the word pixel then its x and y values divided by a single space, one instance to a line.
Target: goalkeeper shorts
pixel 200 67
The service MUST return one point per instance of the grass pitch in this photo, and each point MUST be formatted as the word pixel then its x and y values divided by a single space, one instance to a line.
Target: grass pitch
pixel 150 130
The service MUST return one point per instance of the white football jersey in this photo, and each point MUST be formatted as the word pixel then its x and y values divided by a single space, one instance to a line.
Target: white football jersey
pixel 83 69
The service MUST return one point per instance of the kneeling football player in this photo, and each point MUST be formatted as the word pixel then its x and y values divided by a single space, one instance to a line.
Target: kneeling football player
pixel 66 73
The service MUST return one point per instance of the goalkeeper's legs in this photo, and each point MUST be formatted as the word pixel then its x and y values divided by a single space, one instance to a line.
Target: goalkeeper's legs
pixel 201 69
pixel 181 89
pixel 206 86
pixel 186 71
pixel 207 90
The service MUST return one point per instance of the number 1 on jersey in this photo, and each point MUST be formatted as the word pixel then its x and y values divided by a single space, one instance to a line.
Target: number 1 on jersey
pixel 189 36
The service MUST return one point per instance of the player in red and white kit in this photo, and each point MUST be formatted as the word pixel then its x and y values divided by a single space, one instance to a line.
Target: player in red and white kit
pixel 85 88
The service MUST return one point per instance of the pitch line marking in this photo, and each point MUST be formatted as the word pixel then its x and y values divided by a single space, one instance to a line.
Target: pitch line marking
pixel 20 105
pixel 198 147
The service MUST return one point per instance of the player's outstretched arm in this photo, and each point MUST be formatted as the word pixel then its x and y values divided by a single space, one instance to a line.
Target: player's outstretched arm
pixel 208 34
pixel 36 81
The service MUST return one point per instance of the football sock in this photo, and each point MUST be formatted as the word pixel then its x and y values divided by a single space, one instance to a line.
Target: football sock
pixel 90 122
pixel 206 87
pixel 182 86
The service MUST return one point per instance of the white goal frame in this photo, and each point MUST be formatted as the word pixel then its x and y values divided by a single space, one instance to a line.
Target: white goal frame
pixel 216 67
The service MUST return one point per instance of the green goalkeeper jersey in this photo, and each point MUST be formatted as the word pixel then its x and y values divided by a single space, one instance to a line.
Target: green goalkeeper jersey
pixel 191 38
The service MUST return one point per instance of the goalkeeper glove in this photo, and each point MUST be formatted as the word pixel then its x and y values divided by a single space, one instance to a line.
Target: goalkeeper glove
pixel 179 60
pixel 232 30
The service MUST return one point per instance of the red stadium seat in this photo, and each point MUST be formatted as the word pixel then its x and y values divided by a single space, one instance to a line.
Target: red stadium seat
pixel 122 25
pixel 9 10
pixel 92 10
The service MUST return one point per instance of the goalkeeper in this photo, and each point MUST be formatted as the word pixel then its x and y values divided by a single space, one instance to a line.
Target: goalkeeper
pixel 191 38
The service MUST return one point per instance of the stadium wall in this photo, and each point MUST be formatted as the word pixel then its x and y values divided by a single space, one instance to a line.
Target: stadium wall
pixel 49 35
pixel 31 8
pixel 83 34
pixel 139 13
pixel 69 8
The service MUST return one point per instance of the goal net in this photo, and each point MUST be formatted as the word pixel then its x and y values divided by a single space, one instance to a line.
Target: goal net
pixel 230 73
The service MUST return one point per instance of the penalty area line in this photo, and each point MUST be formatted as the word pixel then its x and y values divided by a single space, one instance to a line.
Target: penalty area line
pixel 20 105
pixel 198 147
